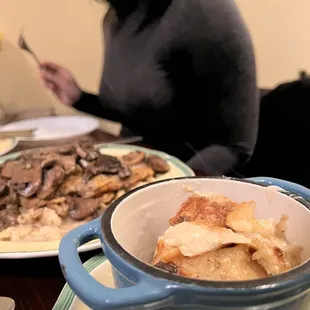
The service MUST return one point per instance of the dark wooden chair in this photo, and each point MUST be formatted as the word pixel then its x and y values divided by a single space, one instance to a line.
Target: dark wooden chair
pixel 283 139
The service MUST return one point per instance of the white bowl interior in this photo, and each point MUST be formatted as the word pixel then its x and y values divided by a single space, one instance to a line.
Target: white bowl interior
pixel 145 213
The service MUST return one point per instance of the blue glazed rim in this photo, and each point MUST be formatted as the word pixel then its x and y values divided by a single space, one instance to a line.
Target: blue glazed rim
pixel 297 278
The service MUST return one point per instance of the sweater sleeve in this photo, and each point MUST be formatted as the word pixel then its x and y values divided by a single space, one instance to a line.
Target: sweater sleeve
pixel 235 120
pixel 91 104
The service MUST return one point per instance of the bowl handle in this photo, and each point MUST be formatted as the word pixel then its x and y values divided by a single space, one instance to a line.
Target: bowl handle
pixel 87 288
pixel 286 185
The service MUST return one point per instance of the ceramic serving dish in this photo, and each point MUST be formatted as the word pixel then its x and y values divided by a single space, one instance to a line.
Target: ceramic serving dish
pixel 129 230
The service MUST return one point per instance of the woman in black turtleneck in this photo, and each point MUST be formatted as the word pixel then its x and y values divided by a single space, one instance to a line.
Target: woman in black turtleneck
pixel 181 73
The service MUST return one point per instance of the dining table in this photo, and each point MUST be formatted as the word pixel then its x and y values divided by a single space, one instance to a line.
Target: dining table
pixel 35 283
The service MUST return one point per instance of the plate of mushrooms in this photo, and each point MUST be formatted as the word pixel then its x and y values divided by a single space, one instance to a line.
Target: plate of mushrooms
pixel 46 192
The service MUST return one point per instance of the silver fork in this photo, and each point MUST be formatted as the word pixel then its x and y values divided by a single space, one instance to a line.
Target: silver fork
pixel 22 43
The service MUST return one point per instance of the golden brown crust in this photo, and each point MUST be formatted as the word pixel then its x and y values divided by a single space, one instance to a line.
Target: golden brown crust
pixel 139 174
pixel 199 208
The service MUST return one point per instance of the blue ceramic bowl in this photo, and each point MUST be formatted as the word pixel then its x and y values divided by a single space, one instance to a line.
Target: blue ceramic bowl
pixel 129 230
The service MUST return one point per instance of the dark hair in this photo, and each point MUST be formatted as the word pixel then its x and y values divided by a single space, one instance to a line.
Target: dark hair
pixel 154 9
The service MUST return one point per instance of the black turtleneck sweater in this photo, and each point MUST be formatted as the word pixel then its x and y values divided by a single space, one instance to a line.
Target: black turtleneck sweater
pixel 183 76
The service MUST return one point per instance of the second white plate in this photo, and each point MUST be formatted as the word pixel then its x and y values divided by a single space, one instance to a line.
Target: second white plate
pixel 55 127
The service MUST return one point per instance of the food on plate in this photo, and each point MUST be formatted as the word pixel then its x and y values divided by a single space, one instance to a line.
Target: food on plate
pixel 214 238
pixel 158 164
pixel 47 192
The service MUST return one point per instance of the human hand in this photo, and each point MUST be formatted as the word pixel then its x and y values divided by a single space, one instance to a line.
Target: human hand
pixel 61 82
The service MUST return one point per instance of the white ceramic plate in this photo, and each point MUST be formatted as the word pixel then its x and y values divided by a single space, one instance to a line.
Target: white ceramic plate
pixel 100 268
pixel 8 146
pixel 55 127
pixel 21 250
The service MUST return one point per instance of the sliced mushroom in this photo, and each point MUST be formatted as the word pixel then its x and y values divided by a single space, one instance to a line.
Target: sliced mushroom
pixel 81 208
pixel 8 219
pixel 81 152
pixel 92 155
pixel 108 164
pixel 87 152
pixel 10 197
pixel 124 171
pixel 158 164
pixel 104 164
pixel 9 166
pixel 52 178
pixel 68 162
pixel 27 181
pixel 133 158
pixel 30 189
pixel 84 163
pixel 3 186
pixel 49 162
